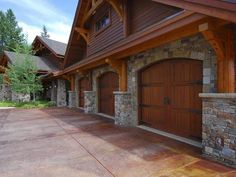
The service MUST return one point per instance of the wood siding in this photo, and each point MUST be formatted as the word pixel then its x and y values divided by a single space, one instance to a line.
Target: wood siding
pixel 110 35
pixel 144 13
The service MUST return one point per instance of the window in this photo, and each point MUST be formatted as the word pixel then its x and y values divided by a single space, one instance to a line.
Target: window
pixel 103 22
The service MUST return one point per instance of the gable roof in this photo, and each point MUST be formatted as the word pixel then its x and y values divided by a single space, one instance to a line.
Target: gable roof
pixel 42 63
pixel 56 47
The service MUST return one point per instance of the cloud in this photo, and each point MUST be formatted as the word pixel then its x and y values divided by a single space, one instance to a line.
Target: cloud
pixel 42 8
pixel 57 31
pixel 39 13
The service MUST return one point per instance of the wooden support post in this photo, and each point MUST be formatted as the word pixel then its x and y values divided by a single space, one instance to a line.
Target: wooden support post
pixel 72 83
pixel 121 67
pixel 222 42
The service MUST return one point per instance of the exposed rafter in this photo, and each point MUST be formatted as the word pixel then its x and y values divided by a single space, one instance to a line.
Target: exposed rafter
pixel 120 66
pixel 118 7
pixel 84 33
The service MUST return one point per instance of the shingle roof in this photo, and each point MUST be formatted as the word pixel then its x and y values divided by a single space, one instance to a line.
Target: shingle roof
pixel 41 62
pixel 58 47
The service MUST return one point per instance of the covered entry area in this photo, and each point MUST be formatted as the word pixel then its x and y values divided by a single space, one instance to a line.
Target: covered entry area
pixel 168 97
pixel 107 84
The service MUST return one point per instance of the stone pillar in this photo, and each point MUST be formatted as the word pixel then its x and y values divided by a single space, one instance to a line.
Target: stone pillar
pixel 123 109
pixel 90 102
pixel 5 93
pixel 61 93
pixel 72 99
pixel 219 127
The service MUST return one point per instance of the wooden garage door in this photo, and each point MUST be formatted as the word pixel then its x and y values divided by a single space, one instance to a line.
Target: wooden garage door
pixel 169 98
pixel 108 83
pixel 83 86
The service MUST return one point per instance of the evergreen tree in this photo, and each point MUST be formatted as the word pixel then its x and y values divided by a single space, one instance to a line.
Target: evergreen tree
pixel 11 34
pixel 23 73
pixel 44 33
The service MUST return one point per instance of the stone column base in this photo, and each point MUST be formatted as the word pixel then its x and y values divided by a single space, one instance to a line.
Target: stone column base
pixel 72 99
pixel 123 109
pixel 219 127
pixel 90 102
pixel 61 93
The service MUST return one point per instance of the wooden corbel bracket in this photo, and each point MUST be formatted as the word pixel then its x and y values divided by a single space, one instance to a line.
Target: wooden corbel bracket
pixel 120 66
pixel 84 33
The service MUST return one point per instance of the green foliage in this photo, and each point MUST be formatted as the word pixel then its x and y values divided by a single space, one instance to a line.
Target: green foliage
pixel 44 33
pixel 1 79
pixel 26 105
pixel 23 73
pixel 11 34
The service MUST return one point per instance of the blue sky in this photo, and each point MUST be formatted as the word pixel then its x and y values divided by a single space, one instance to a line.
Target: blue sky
pixel 57 15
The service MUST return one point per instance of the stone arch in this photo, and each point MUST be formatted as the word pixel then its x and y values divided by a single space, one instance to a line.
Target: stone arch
pixel 190 48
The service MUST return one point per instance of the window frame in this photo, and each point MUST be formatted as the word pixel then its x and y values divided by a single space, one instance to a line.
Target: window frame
pixel 107 12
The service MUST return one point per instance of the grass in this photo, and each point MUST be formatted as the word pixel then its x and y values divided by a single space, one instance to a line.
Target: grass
pixel 27 105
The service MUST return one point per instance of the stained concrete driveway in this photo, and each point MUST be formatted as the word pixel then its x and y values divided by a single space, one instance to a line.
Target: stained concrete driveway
pixel 67 143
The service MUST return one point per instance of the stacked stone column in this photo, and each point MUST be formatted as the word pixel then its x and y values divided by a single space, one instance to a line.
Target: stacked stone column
pixel 90 102
pixel 219 127
pixel 72 99
pixel 123 109
pixel 61 93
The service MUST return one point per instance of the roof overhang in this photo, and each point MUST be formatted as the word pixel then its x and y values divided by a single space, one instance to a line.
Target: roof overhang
pixel 37 39
pixel 184 24
pixel 220 9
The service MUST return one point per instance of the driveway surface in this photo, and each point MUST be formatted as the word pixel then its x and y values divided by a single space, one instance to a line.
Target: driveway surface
pixel 67 143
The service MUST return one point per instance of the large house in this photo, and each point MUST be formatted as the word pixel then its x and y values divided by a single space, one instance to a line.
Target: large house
pixel 167 66
pixel 48 57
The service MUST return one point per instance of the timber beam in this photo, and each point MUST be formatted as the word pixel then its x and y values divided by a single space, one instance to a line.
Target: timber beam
pixel 221 40
pixel 118 7
pixel 92 10
pixel 84 33
pixel 120 66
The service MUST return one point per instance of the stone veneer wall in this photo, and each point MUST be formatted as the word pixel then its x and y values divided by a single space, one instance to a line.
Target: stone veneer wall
pixel 123 109
pixel 53 91
pixel 20 97
pixel 72 99
pixel 90 106
pixel 5 92
pixel 195 47
pixel 61 93
pixel 219 127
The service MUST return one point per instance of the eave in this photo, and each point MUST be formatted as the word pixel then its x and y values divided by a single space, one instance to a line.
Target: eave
pixel 213 8
pixel 49 48
pixel 151 37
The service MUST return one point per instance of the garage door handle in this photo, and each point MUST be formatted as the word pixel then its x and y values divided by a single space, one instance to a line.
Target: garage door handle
pixel 166 101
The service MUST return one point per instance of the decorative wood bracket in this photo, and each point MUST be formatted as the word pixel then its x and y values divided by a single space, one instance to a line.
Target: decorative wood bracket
pixel 121 68
pixel 84 33
pixel 118 7
pixel 221 40
pixel 91 11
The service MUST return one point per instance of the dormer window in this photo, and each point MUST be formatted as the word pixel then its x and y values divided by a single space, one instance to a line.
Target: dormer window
pixel 103 22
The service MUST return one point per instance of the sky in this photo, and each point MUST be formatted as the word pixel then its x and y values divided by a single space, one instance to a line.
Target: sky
pixel 56 15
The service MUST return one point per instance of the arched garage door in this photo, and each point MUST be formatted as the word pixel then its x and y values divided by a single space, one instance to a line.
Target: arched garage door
pixel 108 83
pixel 169 98
pixel 83 86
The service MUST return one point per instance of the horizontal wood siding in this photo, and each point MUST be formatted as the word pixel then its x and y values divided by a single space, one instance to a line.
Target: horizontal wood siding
pixel 107 37
pixel 144 13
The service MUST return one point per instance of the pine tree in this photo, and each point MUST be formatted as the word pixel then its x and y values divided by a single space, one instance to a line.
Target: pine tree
pixel 23 73
pixel 44 33
pixel 11 34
